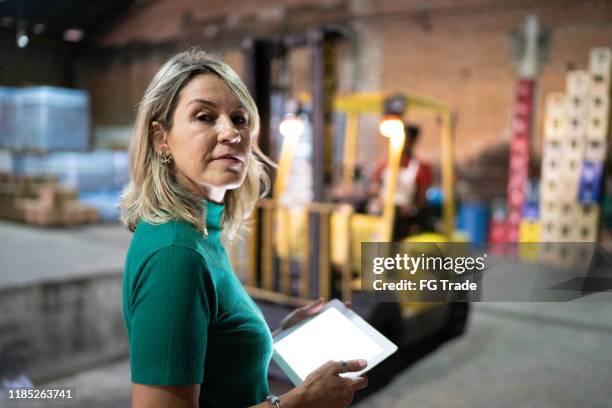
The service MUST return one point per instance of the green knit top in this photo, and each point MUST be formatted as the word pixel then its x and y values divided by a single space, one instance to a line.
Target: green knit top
pixel 188 318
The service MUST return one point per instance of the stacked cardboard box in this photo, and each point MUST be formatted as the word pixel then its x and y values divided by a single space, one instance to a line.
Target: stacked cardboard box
pixel 41 201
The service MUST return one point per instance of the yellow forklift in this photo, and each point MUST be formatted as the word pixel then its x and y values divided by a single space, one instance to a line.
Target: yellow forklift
pixel 350 229
pixel 297 252
pixel 347 229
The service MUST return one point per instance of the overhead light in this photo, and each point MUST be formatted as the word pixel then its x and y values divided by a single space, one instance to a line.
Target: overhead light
pixel 291 125
pixel 22 37
pixel 73 35
pixel 22 40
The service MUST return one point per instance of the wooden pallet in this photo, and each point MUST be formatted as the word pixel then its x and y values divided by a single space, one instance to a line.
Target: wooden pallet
pixel 43 202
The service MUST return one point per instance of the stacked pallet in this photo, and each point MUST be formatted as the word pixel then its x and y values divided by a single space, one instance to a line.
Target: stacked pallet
pixel 44 119
pixel 84 171
pixel 575 149
pixel 43 202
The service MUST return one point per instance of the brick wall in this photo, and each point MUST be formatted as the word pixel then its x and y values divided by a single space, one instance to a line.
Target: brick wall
pixel 458 52
pixel 466 60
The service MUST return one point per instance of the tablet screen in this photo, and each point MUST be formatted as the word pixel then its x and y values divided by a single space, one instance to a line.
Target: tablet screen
pixel 328 336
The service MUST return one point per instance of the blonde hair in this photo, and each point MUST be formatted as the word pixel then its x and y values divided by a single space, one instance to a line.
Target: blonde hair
pixel 154 194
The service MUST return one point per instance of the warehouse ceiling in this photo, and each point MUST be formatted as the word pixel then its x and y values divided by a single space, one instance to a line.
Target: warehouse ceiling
pixel 51 18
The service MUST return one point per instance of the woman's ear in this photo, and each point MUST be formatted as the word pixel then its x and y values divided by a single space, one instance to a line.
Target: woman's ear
pixel 160 137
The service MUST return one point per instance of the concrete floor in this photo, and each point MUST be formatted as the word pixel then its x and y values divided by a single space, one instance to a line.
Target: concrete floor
pixel 29 254
pixel 513 355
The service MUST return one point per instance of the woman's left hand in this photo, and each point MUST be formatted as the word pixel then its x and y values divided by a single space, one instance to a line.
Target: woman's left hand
pixel 302 313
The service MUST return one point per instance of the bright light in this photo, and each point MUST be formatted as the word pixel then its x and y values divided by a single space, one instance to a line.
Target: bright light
pixel 291 125
pixel 22 40
pixel 397 141
pixel 391 126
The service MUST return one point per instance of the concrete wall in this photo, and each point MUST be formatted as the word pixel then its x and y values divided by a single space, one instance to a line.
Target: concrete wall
pixel 55 328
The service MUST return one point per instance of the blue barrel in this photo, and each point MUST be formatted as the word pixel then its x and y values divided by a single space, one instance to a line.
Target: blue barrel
pixel 474 221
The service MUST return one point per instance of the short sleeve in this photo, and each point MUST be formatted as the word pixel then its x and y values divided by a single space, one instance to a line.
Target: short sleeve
pixel 170 317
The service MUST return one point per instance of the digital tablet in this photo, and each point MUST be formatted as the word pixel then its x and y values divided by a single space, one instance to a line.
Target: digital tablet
pixel 336 333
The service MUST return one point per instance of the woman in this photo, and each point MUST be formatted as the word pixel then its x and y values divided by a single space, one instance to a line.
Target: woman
pixel 194 333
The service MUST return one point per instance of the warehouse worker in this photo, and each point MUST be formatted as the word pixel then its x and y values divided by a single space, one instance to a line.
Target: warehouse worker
pixel 414 178
pixel 196 338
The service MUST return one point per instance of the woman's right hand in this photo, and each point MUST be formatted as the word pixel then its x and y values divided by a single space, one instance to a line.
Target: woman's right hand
pixel 325 388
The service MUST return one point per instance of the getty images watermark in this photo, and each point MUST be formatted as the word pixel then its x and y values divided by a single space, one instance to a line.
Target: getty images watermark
pixel 439 272
pixel 406 264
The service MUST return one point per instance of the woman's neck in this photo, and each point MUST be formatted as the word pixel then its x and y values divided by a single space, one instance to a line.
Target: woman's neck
pixel 215 194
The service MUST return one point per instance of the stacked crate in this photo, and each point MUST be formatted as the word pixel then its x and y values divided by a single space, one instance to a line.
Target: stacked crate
pixel 596 145
pixel 555 131
pixel 575 149
pixel 56 206
pixel 529 230
pixel 98 176
pixel 8 116
pixel 519 159
pixel 84 171
pixel 42 201
pixel 49 119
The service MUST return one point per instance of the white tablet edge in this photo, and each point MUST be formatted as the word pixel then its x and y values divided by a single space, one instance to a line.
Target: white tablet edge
pixel 388 347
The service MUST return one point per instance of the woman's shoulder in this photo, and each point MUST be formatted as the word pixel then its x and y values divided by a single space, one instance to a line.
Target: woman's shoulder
pixel 149 237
